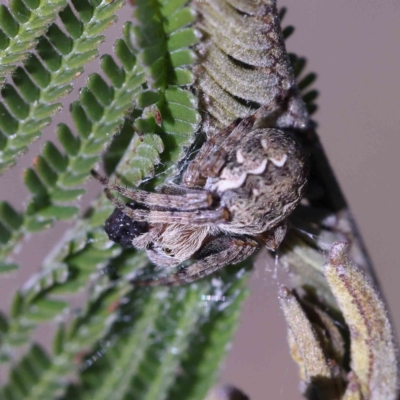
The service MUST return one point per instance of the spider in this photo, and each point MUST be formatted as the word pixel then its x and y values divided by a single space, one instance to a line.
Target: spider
pixel 235 197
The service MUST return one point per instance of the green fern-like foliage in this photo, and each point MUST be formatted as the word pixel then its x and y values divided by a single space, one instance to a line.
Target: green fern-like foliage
pixel 61 53
pixel 144 87
pixel 21 25
pixel 138 115
pixel 55 180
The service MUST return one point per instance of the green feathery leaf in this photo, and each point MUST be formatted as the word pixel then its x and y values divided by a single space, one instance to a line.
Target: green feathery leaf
pixel 97 116
pixel 29 104
pixel 55 179
pixel 80 258
pixel 192 313
pixel 150 90
pixel 20 26
pixel 86 250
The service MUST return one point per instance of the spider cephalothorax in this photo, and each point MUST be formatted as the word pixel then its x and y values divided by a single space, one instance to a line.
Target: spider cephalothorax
pixel 235 196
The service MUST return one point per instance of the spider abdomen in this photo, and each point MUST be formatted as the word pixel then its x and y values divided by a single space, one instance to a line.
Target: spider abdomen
pixel 262 180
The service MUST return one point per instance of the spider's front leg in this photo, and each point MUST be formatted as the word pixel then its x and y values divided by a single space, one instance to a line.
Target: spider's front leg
pixel 217 254
pixel 192 176
pixel 273 238
pixel 195 217
pixel 186 200
pixel 216 148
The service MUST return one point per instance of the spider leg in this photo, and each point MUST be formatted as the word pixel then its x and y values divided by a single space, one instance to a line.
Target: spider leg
pixel 185 201
pixel 198 217
pixel 192 175
pixel 212 156
pixel 273 238
pixel 216 158
pixel 230 250
pixel 178 190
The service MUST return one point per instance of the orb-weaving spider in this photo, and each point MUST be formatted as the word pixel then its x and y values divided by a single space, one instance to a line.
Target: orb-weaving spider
pixel 235 196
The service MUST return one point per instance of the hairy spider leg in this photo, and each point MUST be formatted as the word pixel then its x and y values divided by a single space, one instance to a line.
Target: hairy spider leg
pixel 174 189
pixel 186 201
pixel 198 217
pixel 234 250
pixel 192 175
pixel 215 160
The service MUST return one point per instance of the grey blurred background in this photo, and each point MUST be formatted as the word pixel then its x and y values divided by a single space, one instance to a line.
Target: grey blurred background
pixel 354 48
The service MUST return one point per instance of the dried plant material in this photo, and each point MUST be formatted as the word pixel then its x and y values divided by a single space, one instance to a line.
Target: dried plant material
pixel 373 352
pixel 330 337
pixel 320 375
pixel 353 391
pixel 226 392
pixel 304 262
